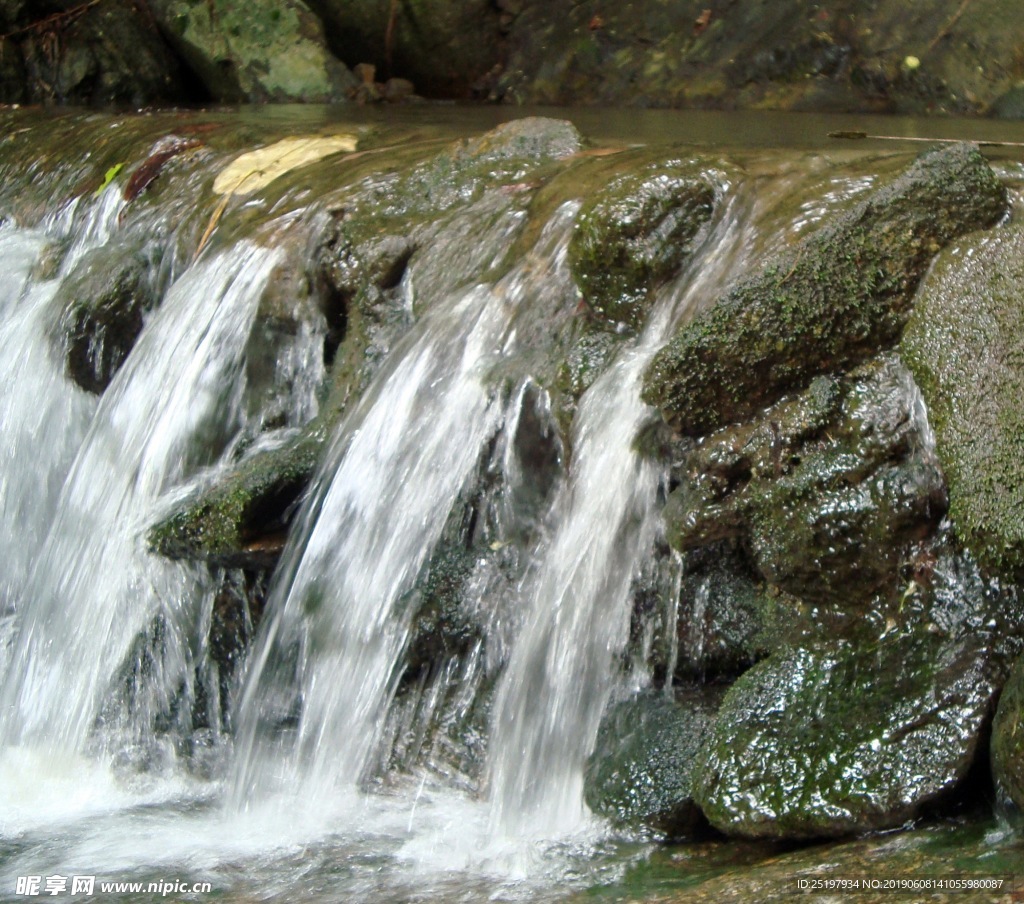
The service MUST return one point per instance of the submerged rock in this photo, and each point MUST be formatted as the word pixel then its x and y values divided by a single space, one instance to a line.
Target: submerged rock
pixel 636 233
pixel 963 345
pixel 835 299
pixel 845 738
pixel 107 296
pixel 640 773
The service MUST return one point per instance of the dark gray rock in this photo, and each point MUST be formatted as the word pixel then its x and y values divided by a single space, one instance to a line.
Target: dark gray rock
pixel 106 298
pixel 639 775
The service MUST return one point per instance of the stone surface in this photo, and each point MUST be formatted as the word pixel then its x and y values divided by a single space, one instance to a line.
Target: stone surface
pixel 106 297
pixel 965 345
pixel 838 297
pixel 256 50
pixel 639 775
pixel 826 489
pixel 635 234
pixel 842 739
pixel 1008 739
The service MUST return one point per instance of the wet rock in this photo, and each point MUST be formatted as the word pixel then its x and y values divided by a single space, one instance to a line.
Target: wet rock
pixel 844 738
pixel 635 234
pixel 1009 105
pixel 964 344
pixel 442 47
pixel 65 51
pixel 257 51
pixel 640 773
pixel 827 489
pixel 241 520
pixel 835 299
pixel 107 296
pixel 726 618
pixel 443 624
pixel 1008 739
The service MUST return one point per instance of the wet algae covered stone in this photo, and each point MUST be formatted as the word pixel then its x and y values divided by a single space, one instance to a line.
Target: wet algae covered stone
pixel 965 346
pixel 636 233
pixel 1008 739
pixel 833 300
pixel 843 739
pixel 639 776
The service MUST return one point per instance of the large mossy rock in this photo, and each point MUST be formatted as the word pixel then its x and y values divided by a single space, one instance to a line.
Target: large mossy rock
pixel 640 774
pixel 106 298
pixel 965 346
pixel 240 521
pixel 827 488
pixel 846 738
pixel 835 299
pixel 1008 739
pixel 256 50
pixel 636 233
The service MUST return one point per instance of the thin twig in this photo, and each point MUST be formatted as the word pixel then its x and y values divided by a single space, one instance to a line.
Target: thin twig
pixel 949 25
pixel 45 23
pixel 857 136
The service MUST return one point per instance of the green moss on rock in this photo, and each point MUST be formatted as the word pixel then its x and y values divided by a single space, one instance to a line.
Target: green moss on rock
pixel 1008 739
pixel 832 301
pixel 827 489
pixel 240 520
pixel 635 234
pixel 845 739
pixel 965 346
pixel 639 776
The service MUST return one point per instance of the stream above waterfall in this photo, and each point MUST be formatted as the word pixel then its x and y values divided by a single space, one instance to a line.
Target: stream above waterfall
pixel 347 550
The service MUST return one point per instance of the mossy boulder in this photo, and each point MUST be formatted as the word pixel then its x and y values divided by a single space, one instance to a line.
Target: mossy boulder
pixel 256 51
pixel 240 521
pixel 105 300
pixel 727 617
pixel 845 738
pixel 965 346
pixel 1008 739
pixel 639 775
pixel 636 233
pixel 827 488
pixel 836 298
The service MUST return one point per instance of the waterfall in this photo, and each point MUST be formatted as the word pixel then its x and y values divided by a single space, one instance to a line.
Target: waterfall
pixel 561 674
pixel 325 668
pixel 94 588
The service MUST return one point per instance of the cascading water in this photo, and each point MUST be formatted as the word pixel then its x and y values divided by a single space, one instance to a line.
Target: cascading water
pixel 105 642
pixel 388 484
pixel 560 675
pixel 94 588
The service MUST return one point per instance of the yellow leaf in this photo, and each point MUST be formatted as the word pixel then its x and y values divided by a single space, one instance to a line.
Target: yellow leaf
pixel 255 169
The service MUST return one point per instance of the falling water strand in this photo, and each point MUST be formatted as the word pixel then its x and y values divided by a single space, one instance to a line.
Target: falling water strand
pixel 340 619
pixel 560 674
pixel 95 588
